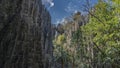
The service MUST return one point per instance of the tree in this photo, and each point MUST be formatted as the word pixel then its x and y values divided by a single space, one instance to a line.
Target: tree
pixel 103 29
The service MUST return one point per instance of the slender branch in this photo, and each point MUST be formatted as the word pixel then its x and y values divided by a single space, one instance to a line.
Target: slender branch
pixel 88 8
pixel 98 48
pixel 96 17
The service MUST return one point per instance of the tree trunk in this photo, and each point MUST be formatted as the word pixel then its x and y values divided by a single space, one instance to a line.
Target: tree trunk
pixel 62 63
pixel 73 63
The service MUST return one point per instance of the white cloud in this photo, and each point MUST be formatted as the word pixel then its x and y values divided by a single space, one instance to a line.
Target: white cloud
pixel 71 7
pixel 48 2
pixel 63 20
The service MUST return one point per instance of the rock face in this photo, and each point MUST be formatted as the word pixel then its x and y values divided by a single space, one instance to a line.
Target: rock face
pixel 25 34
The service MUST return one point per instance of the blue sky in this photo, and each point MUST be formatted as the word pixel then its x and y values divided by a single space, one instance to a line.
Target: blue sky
pixel 60 9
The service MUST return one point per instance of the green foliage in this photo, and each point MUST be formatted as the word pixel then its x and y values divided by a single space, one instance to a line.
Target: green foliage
pixel 97 42
pixel 104 30
pixel 60 39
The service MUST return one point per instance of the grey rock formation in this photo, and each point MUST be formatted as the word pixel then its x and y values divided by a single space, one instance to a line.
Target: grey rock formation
pixel 25 34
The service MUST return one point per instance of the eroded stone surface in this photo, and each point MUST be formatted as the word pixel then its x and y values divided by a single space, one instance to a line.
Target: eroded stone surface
pixel 25 34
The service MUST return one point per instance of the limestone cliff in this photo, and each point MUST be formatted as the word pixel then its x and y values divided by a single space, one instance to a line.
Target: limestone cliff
pixel 25 34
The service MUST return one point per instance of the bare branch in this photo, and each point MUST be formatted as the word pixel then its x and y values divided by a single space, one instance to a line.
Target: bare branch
pixel 88 9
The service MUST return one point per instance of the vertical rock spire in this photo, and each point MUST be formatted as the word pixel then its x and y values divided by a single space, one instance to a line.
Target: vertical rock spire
pixel 25 34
